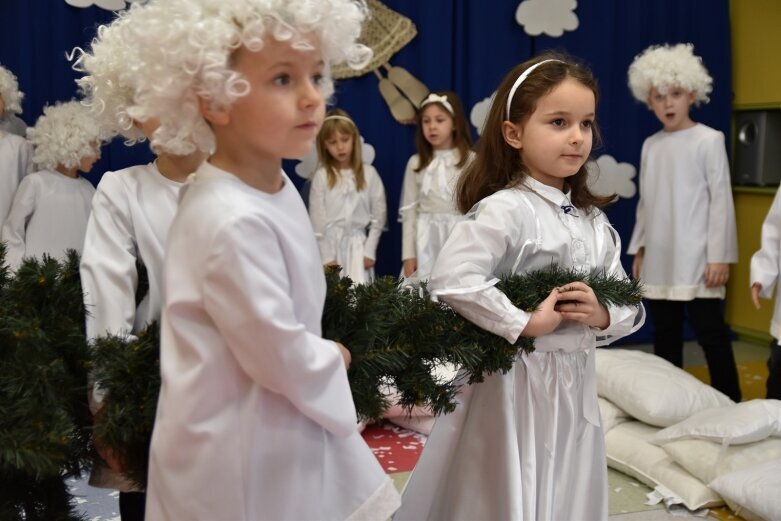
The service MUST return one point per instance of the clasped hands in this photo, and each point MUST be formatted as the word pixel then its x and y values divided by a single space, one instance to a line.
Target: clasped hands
pixel 574 301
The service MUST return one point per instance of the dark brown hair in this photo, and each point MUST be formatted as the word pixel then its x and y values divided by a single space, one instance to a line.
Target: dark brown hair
pixel 356 161
pixel 498 165
pixel 462 139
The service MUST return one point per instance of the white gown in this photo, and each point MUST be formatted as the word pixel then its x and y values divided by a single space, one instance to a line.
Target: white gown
pixel 49 215
pixel 428 209
pixel 131 213
pixel 526 445
pixel 255 418
pixel 766 262
pixel 348 223
pixel 16 161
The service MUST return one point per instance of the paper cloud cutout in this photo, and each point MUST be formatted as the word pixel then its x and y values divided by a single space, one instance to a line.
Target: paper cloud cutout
pixel 309 163
pixel 110 5
pixel 551 17
pixel 479 112
pixel 608 177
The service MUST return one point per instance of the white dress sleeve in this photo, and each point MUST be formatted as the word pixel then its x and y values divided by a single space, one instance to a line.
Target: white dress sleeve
pixel 408 210
pixel 249 300
pixel 379 211
pixel 765 262
pixel 15 225
pixel 108 263
pixel 463 275
pixel 318 192
pixel 722 229
pixel 637 240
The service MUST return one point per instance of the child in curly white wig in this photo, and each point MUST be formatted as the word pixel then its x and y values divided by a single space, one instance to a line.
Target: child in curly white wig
pixel 685 233
pixel 10 103
pixel 50 209
pixel 255 408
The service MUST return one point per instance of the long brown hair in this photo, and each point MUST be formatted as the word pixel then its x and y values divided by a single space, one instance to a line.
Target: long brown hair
pixel 498 165
pixel 345 126
pixel 462 139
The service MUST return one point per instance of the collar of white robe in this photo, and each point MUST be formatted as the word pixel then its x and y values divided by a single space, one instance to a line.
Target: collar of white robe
pixel 521 79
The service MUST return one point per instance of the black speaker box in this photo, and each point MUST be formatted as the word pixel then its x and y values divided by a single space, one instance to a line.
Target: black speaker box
pixel 757 147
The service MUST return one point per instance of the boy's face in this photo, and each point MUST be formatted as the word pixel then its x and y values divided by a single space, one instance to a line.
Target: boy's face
pixel 87 162
pixel 2 106
pixel 280 116
pixel 672 107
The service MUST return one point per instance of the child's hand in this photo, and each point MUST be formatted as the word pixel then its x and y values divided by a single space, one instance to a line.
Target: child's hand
pixel 106 453
pixel 577 301
pixel 368 263
pixel 410 266
pixel 545 319
pixel 755 289
pixel 348 358
pixel 716 274
pixel 637 263
pixel 329 264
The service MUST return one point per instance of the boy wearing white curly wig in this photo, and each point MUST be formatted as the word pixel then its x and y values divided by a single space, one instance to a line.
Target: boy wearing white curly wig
pixel 685 234
pixel 255 418
pixel 15 152
pixel 51 206
pixel 10 104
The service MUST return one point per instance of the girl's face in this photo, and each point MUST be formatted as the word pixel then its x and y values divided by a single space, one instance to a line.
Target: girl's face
pixel 556 139
pixel 672 108
pixel 437 126
pixel 340 146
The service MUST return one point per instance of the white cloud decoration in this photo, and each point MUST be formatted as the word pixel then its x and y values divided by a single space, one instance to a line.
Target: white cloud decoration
pixel 309 163
pixel 608 177
pixel 109 5
pixel 551 17
pixel 479 112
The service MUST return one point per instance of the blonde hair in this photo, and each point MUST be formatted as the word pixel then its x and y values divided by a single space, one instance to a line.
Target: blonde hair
pixel 185 49
pixel 340 122
pixel 65 134
pixel 9 90
pixel 665 66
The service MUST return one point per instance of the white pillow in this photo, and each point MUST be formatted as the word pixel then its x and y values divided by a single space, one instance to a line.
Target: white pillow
pixel 611 415
pixel 744 422
pixel 629 452
pixel 652 389
pixel 707 460
pixel 753 493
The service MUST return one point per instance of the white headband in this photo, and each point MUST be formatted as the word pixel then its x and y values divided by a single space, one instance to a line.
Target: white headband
pixel 343 118
pixel 435 98
pixel 521 79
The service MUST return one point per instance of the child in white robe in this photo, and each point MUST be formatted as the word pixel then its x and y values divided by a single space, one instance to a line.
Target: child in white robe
pixel 15 152
pixel 131 213
pixel 51 207
pixel 255 418
pixel 346 200
pixel 428 208
pixel 527 445
pixel 685 233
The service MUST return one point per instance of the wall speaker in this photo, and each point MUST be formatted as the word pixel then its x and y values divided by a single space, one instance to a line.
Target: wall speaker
pixel 757 147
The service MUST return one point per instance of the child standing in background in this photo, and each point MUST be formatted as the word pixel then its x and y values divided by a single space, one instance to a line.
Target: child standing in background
pixel 51 207
pixel 528 444
pixel 255 418
pixel 685 234
pixel 428 209
pixel 346 200
pixel 15 151
pixel 10 104
pixel 765 269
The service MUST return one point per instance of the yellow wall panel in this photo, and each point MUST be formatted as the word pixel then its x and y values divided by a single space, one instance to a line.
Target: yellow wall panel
pixel 756 40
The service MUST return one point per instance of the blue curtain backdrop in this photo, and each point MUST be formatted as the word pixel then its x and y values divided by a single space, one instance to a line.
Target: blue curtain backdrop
pixel 462 45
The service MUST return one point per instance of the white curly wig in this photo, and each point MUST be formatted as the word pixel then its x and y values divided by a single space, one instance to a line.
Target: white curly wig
pixel 64 135
pixel 666 66
pixel 185 47
pixel 9 90
pixel 110 69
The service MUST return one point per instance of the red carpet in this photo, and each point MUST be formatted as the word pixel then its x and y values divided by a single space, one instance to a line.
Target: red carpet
pixel 396 449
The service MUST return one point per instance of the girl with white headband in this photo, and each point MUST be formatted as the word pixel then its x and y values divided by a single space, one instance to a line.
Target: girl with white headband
pixel 527 445
pixel 347 200
pixel 428 209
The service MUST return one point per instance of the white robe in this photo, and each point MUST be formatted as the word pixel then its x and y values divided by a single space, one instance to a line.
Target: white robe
pixel 348 223
pixel 131 213
pixel 766 262
pixel 255 418
pixel 526 445
pixel 49 215
pixel 428 209
pixel 16 161
pixel 685 215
